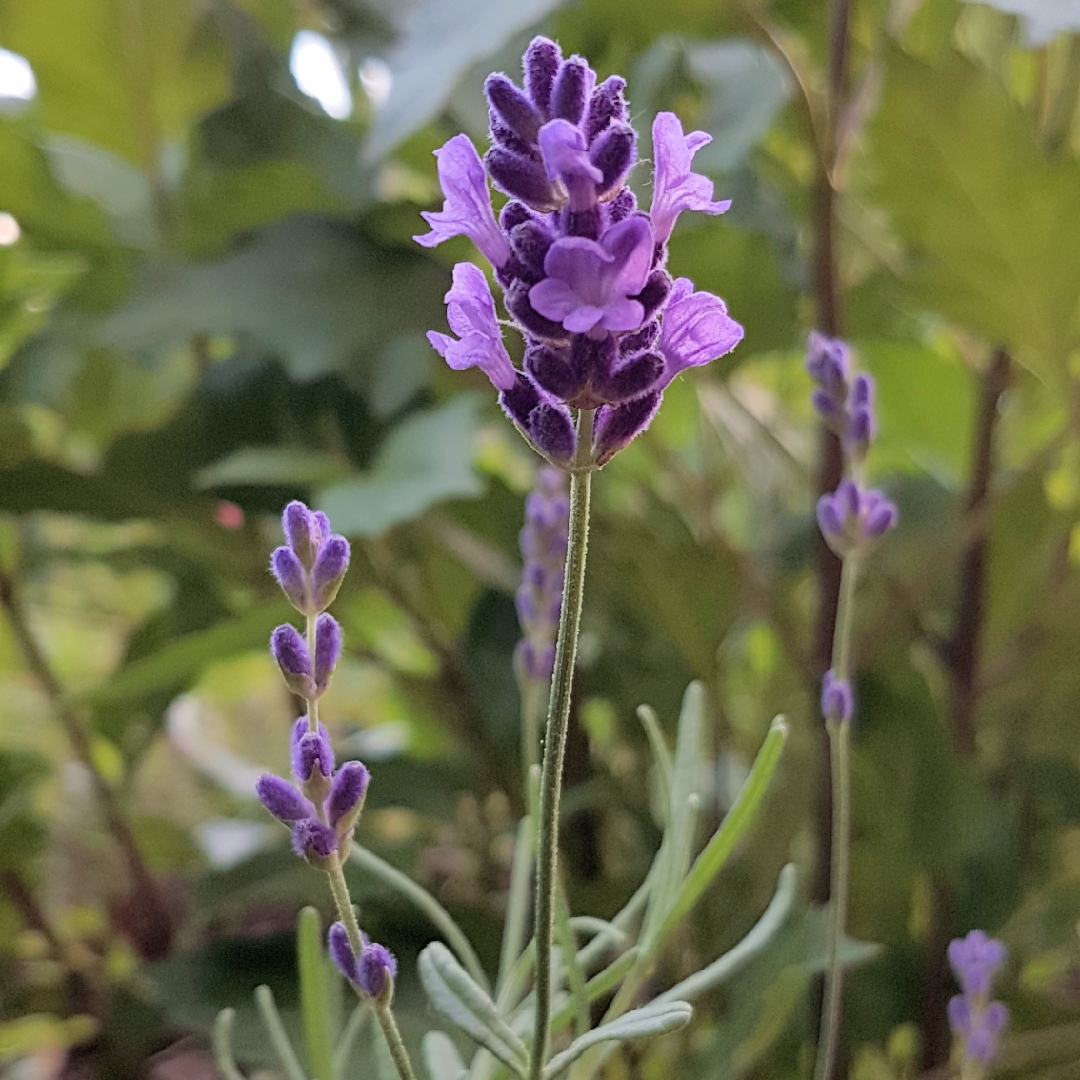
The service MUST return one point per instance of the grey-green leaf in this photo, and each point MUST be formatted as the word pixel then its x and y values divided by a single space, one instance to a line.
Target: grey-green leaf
pixel 654 1019
pixel 455 996
pixel 441 1057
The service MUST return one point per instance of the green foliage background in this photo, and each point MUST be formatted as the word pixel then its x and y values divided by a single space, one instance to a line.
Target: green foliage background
pixel 215 306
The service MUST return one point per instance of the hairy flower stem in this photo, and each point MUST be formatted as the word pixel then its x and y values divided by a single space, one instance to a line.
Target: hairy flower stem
pixel 312 702
pixel 555 735
pixel 840 758
pixel 347 914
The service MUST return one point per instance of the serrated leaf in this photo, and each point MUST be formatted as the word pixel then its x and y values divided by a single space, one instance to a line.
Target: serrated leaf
pixel 454 995
pixel 426 460
pixel 441 1057
pixel 653 1019
pixel 994 226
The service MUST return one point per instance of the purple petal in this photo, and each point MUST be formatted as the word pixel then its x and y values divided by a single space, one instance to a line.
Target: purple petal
pixel 291 653
pixel 281 798
pixel 337 944
pixel 309 749
pixel 675 186
pixel 541 64
pixel 329 570
pixel 290 575
pixel 467 207
pixel 347 794
pixel 377 966
pixel 960 1015
pixel 302 531
pixel 471 314
pixel 311 838
pixel 566 158
pixel 327 649
pixel 696 329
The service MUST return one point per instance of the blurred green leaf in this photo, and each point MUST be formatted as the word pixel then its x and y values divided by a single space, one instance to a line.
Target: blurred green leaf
pixel 425 460
pixel 312 964
pixel 994 227
pixel 282 466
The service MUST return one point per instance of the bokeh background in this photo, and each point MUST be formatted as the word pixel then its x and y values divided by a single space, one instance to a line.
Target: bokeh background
pixel 210 303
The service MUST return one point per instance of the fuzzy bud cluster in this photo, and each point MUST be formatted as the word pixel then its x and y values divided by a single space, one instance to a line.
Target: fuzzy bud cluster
pixel 543 541
pixel 976 1021
pixel 583 271
pixel 324 804
pixel 372 972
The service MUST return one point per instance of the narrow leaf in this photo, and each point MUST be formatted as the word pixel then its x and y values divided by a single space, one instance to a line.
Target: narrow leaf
pixel 600 984
pixel 735 959
pixel 223 1055
pixel 575 978
pixel 661 754
pixel 441 1057
pixel 453 994
pixel 343 1050
pixel 314 1000
pixel 275 1028
pixel 734 826
pixel 517 905
pixel 654 1019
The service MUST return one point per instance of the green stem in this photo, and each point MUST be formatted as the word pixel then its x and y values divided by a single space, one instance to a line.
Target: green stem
pixel 394 1041
pixel 555 736
pixel 312 702
pixel 840 759
pixel 343 902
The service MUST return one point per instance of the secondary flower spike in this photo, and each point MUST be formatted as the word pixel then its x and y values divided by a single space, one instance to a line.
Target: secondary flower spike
pixel 976 1021
pixel 583 271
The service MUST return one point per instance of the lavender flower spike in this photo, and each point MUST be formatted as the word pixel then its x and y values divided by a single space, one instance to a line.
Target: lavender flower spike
pixel 467 209
pixel 976 1021
pixel 377 968
pixel 852 517
pixel 697 329
pixel 676 188
pixel 471 313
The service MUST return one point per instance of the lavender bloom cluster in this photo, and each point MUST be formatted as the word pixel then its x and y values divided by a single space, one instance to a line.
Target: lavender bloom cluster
pixel 976 1021
pixel 583 270
pixel 543 541
pixel 853 516
pixel 324 804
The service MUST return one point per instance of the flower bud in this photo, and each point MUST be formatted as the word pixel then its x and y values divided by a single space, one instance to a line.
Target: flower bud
pixel 851 518
pixel 346 798
pixel 290 575
pixel 327 650
pixel 340 949
pixel 302 531
pixel 311 751
pixel 314 841
pixel 281 798
pixel 291 653
pixel 377 968
pixel 837 703
pixel 328 572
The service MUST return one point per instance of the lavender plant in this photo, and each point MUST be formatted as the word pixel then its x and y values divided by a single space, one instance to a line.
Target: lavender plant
pixel 851 519
pixel 976 1021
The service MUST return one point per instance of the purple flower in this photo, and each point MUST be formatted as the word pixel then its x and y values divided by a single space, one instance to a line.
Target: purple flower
pixel 837 703
pixel 291 576
pixel 312 840
pixel 852 517
pixel 675 187
pixel 467 209
pixel 291 653
pixel 696 329
pixel 583 271
pixel 305 531
pixel 310 568
pixel 471 314
pixel 340 949
pixel 329 571
pixel 327 650
pixel 976 1021
pixel 539 597
pixel 976 960
pixel 566 158
pixel 377 968
pixel 282 799
pixel 846 407
pixel 346 798
pixel 589 285
pixel 310 750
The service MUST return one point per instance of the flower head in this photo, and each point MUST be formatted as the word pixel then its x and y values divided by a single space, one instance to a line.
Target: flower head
pixel 581 268
pixel 853 517
pixel 976 1021
pixel 976 960
pixel 376 970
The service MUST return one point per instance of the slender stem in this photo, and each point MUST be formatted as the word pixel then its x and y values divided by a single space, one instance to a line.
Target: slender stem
pixel 555 736
pixel 154 932
pixel 840 759
pixel 394 1041
pixel 312 702
pixel 343 902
